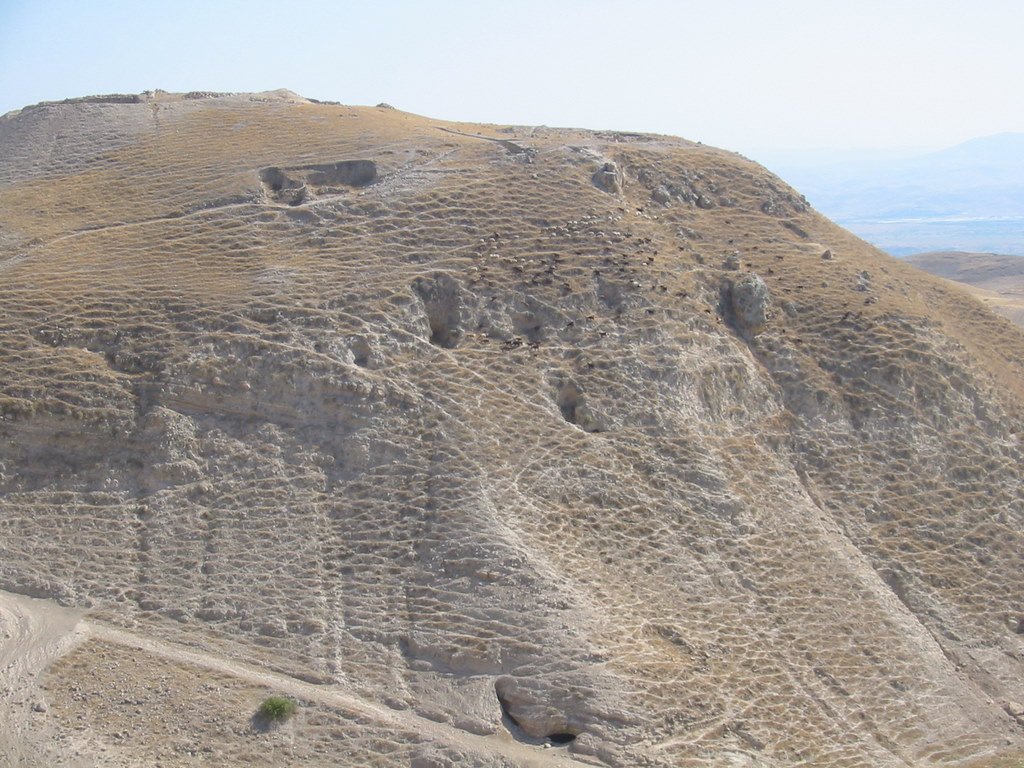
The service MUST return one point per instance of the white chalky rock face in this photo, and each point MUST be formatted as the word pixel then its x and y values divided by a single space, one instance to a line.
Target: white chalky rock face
pixel 485 459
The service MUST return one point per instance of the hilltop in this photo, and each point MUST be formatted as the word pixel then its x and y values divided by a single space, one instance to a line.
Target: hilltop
pixel 489 445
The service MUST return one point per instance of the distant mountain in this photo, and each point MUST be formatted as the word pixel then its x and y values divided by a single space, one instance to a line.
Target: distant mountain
pixel 996 279
pixel 969 197
pixel 1003 153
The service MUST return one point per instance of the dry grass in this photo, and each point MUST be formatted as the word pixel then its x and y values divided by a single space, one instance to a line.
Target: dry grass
pixel 997 281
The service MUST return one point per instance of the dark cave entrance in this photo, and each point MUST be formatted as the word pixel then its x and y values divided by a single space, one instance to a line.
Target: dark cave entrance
pixel 556 738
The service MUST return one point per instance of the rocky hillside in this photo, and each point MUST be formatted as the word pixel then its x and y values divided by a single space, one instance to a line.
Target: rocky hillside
pixel 491 446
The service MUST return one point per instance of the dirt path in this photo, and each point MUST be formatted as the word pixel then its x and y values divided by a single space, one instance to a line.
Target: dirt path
pixel 33 633
pixel 410 722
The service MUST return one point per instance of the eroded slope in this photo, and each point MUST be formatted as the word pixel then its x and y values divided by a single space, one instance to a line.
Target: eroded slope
pixel 534 433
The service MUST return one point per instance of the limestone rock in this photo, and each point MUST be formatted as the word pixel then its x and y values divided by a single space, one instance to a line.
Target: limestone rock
pixel 529 710
pixel 443 303
pixel 751 302
pixel 661 195
pixel 609 178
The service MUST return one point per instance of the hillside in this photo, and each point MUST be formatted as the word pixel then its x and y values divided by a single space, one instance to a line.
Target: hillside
pixel 491 446
pixel 995 279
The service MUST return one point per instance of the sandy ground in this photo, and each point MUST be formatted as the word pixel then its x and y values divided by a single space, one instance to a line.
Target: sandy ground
pixel 33 633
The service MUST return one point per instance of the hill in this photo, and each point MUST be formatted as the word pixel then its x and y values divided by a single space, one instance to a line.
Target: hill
pixel 489 446
pixel 995 279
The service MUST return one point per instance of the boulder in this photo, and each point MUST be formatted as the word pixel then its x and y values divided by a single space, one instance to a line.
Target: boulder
pixel 661 195
pixel 750 303
pixel 609 178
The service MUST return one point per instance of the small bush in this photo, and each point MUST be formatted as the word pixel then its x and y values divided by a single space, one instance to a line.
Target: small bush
pixel 277 708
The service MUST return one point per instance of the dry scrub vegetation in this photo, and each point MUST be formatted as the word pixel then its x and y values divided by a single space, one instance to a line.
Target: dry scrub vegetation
pixel 493 446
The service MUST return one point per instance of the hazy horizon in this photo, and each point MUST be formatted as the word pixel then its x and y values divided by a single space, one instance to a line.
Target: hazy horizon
pixel 797 77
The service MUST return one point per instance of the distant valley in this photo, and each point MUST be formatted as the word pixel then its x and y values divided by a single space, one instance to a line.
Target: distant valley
pixel 969 197
pixel 995 279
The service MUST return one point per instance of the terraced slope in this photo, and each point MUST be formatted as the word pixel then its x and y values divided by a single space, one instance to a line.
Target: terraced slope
pixel 576 446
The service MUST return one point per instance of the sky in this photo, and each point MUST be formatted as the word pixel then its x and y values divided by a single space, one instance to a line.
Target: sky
pixel 784 76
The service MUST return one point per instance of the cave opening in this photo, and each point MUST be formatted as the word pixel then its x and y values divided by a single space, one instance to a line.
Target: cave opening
pixel 555 738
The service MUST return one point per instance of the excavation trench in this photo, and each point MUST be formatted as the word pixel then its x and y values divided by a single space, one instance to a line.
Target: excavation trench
pixel 299 184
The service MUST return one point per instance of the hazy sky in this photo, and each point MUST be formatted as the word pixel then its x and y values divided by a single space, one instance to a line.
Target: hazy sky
pixel 746 75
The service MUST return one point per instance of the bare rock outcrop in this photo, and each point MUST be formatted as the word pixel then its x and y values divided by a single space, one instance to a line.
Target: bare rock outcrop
pixel 609 178
pixel 444 308
pixel 531 711
pixel 750 302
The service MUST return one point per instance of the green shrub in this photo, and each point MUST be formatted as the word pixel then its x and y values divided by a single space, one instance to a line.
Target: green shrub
pixel 277 708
